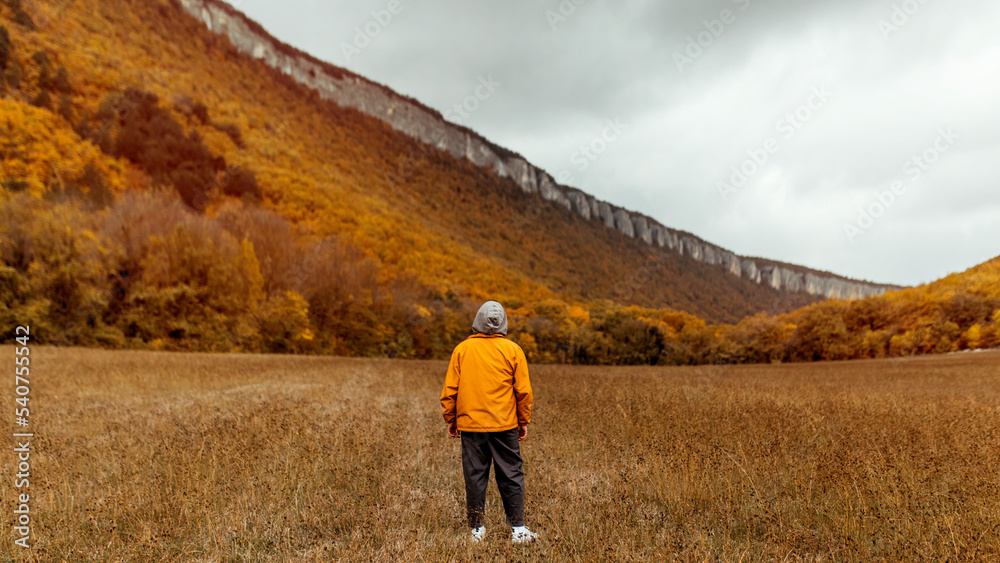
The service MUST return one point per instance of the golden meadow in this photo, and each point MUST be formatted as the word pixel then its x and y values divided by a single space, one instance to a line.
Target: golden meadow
pixel 159 456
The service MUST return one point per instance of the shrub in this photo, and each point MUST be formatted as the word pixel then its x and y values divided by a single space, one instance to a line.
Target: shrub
pixel 14 288
pixel 14 185
pixel 42 100
pixel 41 58
pixel 200 112
pixel 61 83
pixel 279 250
pixel 241 183
pixel 5 48
pixel 197 289
pixel 21 17
pixel 232 131
pixel 283 323
pixel 65 108
pixel 151 138
pixel 13 73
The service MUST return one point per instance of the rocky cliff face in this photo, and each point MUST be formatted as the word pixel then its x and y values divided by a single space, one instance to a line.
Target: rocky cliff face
pixel 424 124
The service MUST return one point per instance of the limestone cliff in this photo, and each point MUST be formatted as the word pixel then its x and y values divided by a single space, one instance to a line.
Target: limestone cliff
pixel 429 126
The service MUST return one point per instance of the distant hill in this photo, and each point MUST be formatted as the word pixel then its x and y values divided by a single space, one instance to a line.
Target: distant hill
pixel 416 120
pixel 958 312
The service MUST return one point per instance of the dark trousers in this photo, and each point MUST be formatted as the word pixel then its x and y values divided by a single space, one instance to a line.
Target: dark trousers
pixel 504 451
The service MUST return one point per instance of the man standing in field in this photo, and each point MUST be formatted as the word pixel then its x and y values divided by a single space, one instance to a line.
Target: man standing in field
pixel 486 401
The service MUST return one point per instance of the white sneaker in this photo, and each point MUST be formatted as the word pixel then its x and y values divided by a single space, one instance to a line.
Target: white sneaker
pixel 478 534
pixel 521 534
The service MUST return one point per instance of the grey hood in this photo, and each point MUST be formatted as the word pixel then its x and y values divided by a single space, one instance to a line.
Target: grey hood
pixel 491 319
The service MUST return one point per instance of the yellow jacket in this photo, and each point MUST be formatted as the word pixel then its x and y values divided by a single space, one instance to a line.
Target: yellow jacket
pixel 487 387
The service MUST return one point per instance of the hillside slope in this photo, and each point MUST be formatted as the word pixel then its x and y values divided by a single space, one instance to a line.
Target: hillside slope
pixel 338 171
pixel 427 125
pixel 162 189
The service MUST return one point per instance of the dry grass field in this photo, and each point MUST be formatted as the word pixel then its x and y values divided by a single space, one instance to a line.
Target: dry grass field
pixel 144 456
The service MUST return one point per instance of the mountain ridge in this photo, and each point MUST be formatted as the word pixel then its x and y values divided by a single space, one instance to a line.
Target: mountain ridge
pixel 185 196
pixel 416 120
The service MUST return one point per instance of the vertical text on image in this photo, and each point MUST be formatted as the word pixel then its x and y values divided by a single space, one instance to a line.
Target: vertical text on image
pixel 22 437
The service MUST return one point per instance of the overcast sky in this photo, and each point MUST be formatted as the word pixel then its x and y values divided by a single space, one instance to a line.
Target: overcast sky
pixel 763 126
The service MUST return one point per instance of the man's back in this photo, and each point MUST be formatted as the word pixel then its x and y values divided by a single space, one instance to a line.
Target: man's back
pixel 487 385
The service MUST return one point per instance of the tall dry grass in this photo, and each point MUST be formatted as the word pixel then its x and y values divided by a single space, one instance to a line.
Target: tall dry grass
pixel 143 456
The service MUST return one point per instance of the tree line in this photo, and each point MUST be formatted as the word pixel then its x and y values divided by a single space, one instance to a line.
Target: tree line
pixel 146 271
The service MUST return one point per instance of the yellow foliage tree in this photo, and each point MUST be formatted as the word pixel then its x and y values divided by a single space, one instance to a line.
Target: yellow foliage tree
pixel 39 152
